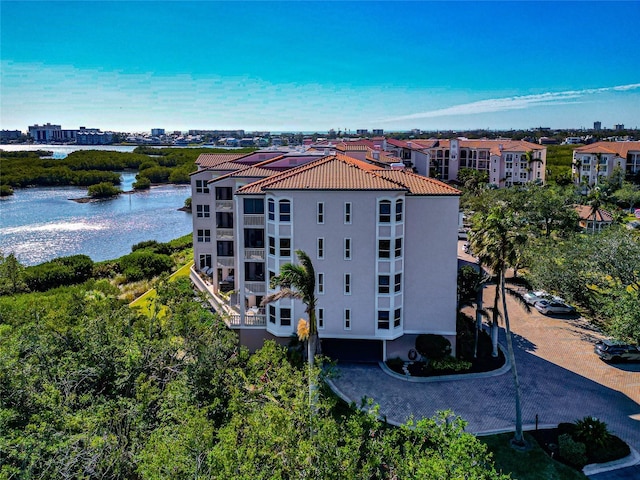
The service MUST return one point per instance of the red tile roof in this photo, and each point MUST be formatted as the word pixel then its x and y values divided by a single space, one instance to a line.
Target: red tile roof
pixel 339 172
pixel 619 148
pixel 585 213
pixel 206 160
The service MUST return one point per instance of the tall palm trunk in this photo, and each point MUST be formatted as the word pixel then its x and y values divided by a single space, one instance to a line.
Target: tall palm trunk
pixel 494 323
pixel 518 438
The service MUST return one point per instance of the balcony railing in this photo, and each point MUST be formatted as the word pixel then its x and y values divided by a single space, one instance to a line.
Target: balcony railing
pixel 224 205
pixel 224 233
pixel 225 261
pixel 250 320
pixel 255 287
pixel 254 253
pixel 254 220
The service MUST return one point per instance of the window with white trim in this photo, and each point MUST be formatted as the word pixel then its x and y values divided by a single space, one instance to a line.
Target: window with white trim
pixel 384 211
pixel 347 249
pixel 383 319
pixel 397 287
pixel 347 213
pixel 321 248
pixel 320 283
pixel 399 208
pixel 271 207
pixel 285 317
pixel 284 209
pixel 320 318
pixel 347 284
pixel 272 314
pixel 347 319
pixel 272 246
pixel 201 186
pixel 285 247
pixel 384 248
pixel 398 249
pixel 397 317
pixel 205 261
pixel 320 215
pixel 383 283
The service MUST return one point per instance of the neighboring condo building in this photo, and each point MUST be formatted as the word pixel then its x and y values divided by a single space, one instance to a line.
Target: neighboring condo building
pixel 506 162
pixel 383 242
pixel 593 162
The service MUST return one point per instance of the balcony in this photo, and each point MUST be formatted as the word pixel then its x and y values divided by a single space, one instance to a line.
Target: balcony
pixel 224 233
pixel 225 261
pixel 256 288
pixel 224 205
pixel 254 220
pixel 254 254
pixel 250 320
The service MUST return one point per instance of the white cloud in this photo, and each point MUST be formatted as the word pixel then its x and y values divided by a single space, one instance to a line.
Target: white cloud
pixel 512 103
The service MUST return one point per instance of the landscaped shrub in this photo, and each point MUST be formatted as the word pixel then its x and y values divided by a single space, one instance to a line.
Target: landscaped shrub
pixel 613 449
pixel 434 347
pixel 59 272
pixel 450 363
pixel 574 453
pixel 144 264
pixel 591 431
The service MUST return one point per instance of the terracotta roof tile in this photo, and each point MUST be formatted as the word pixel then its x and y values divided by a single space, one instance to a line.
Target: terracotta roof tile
pixel 585 213
pixel 339 172
pixel 619 148
pixel 206 160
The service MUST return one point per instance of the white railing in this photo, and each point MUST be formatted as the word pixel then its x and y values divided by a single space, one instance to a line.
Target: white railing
pixel 235 320
pixel 225 261
pixel 253 220
pixel 224 205
pixel 254 254
pixel 256 287
pixel 224 233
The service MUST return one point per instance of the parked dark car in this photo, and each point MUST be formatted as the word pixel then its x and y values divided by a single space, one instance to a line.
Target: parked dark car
pixel 611 351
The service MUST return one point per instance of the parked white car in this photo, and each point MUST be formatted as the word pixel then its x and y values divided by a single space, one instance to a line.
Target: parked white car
pixel 553 306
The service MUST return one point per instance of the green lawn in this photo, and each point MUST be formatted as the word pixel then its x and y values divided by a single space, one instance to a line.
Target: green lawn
pixel 143 302
pixel 534 464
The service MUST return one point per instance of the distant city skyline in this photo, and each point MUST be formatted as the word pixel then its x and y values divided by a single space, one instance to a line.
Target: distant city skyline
pixel 316 66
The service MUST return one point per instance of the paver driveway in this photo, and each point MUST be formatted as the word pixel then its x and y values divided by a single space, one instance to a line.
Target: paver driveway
pixel 561 378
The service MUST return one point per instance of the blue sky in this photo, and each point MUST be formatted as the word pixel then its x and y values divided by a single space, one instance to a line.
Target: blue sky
pixel 133 66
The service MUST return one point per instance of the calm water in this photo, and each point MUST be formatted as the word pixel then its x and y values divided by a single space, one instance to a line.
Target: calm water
pixel 61 151
pixel 39 224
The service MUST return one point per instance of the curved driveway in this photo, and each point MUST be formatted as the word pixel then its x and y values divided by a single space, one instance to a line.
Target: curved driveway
pixel 562 380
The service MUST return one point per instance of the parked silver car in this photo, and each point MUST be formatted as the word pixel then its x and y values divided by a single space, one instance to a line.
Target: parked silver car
pixel 553 306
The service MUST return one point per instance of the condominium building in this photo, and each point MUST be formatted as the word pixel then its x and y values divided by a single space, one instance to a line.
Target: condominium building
pixel 593 162
pixel 383 242
pixel 506 162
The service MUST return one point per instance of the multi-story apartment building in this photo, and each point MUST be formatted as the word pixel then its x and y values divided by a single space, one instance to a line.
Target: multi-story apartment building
pixel 382 241
pixel 593 162
pixel 507 162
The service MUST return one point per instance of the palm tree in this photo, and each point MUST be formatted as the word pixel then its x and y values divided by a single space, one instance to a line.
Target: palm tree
pixel 497 241
pixel 299 281
pixel 531 160
pixel 595 202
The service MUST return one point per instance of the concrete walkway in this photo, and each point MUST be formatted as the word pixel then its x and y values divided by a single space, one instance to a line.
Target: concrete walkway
pixel 562 380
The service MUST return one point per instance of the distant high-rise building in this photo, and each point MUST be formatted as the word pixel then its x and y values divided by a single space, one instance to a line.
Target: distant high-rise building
pixel 619 126
pixel 156 132
pixel 362 131
pixel 597 126
pixel 377 131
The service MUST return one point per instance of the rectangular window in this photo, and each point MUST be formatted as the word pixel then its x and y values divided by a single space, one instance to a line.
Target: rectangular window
pixel 320 318
pixel 224 193
pixel 397 283
pixel 202 211
pixel 224 248
pixel 320 212
pixel 272 209
pixel 508 165
pixel 272 314
pixel 384 248
pixel 204 235
pixel 347 213
pixel 383 319
pixel 272 246
pixel 347 249
pixel 399 206
pixel 321 248
pixel 398 250
pixel 347 284
pixel 347 319
pixel 285 210
pixel 320 283
pixel 285 317
pixel 253 238
pixel 397 316
pixel 384 211
pixel 254 206
pixel 224 220
pixel 254 272
pixel 205 261
pixel 201 186
pixel 285 247
pixel 383 283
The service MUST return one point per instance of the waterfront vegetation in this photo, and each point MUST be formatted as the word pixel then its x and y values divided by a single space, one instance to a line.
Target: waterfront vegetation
pixel 90 167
